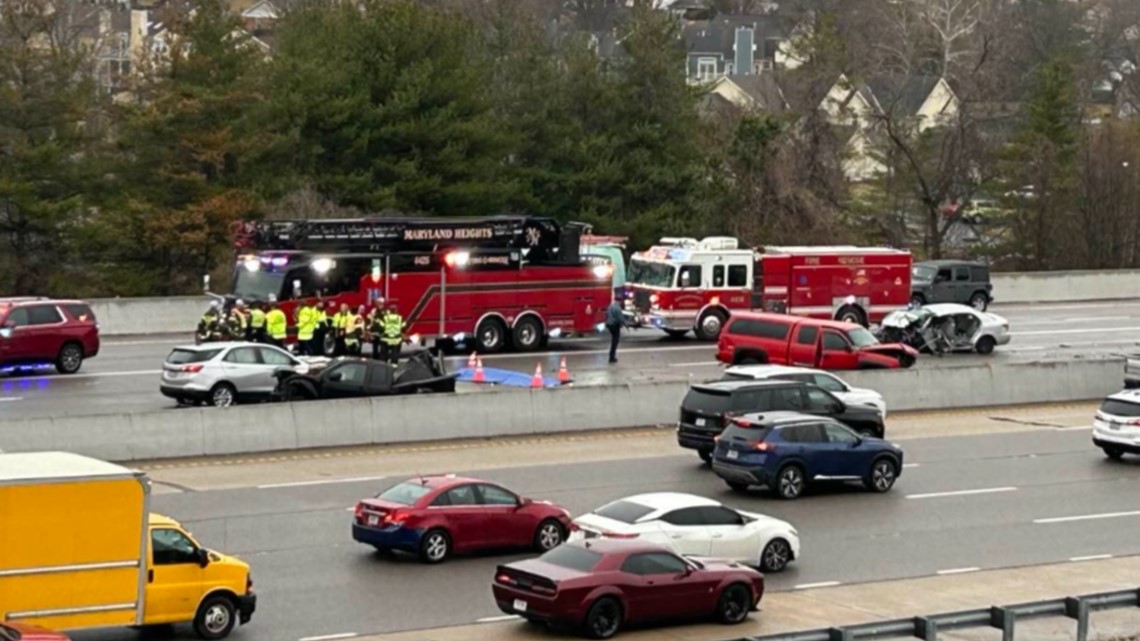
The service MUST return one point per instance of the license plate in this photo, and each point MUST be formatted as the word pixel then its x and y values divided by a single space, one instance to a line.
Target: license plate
pixel 700 422
pixel 732 454
pixel 1114 426
pixel 520 605
pixel 373 519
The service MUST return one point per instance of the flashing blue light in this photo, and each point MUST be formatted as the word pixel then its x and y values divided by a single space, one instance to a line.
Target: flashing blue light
pixel 280 261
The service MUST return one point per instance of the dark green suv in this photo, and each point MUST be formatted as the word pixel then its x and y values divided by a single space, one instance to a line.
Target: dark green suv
pixel 951 281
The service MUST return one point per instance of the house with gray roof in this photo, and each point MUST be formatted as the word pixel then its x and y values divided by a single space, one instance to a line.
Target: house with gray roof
pixel 729 45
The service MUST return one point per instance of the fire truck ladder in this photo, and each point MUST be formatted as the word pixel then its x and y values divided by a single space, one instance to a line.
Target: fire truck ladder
pixel 541 236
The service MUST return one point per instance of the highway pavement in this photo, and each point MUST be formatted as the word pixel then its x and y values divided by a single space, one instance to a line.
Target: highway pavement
pixel 964 504
pixel 124 377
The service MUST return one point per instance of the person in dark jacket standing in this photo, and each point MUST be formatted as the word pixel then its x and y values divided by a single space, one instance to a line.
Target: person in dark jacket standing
pixel 615 320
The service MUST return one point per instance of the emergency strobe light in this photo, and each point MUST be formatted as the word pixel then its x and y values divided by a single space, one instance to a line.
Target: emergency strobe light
pixel 323 265
pixel 457 259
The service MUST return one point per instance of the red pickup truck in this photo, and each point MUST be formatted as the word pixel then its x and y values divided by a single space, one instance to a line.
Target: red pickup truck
pixel 781 339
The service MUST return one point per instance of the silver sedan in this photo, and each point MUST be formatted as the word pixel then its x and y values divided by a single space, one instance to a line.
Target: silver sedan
pixel 224 374
pixel 966 329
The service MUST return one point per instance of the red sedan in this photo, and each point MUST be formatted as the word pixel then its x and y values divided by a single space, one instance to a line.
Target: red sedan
pixel 434 516
pixel 602 584
pixel 20 632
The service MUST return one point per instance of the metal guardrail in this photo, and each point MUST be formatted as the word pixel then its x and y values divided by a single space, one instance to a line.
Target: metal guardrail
pixel 1003 618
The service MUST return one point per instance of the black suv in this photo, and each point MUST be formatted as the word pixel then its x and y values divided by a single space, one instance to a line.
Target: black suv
pixel 708 408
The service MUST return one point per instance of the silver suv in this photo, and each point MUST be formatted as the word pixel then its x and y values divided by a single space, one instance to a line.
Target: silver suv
pixel 223 374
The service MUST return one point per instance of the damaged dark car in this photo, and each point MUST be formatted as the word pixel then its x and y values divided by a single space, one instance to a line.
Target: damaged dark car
pixel 423 371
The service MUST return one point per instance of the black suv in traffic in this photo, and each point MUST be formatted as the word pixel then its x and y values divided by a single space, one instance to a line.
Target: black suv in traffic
pixel 708 408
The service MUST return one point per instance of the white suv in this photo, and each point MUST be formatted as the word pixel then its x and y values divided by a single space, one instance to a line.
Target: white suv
pixel 826 380
pixel 1116 426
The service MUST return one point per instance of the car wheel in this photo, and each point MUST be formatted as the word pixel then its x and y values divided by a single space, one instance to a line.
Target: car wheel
pixel 70 359
pixel 216 618
pixel 736 486
pixel 979 301
pixel 986 345
pixel 223 395
pixel 549 535
pixel 1114 453
pixel 603 619
pixel 677 334
pixel 527 335
pixel 775 556
pixel 710 324
pixel 491 336
pixel 734 604
pixel 790 482
pixel 706 457
pixel 435 546
pixel 882 476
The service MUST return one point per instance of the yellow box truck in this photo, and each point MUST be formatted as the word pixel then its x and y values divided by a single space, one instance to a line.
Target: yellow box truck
pixel 79 548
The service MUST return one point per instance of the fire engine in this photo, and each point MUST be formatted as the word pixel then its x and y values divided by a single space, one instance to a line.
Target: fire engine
pixel 497 282
pixel 684 284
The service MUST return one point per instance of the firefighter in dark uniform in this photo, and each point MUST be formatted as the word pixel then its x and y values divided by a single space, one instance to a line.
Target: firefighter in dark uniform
pixel 376 328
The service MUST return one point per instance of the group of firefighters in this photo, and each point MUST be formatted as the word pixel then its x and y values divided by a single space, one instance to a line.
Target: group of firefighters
pixel 267 323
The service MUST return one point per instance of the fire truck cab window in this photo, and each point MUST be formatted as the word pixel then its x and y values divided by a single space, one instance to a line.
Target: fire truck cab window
pixel 690 276
pixel 718 276
pixel 643 272
pixel 737 275
pixel 258 285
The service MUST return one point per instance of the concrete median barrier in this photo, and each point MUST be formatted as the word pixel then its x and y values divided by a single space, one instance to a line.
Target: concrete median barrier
pixel 1070 286
pixel 192 432
pixel 136 316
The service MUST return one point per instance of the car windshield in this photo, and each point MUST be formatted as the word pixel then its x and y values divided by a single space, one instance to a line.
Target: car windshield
pixel 923 272
pixel 1114 407
pixel 258 285
pixel 184 356
pixel 405 493
pixel 624 511
pixel 642 272
pixel 698 400
pixel 860 337
pixel 572 557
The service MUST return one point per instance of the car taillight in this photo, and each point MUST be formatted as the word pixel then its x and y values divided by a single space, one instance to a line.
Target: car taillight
pixel 618 535
pixel 192 369
pixel 395 518
pixel 742 422
pixel 764 446
pixel 503 578
pixel 359 511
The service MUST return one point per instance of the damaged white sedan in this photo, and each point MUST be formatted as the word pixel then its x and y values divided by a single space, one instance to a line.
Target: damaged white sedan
pixel 946 327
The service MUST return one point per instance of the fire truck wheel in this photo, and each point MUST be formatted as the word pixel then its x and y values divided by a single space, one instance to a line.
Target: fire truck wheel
pixel 491 336
pixel 851 315
pixel 710 324
pixel 527 335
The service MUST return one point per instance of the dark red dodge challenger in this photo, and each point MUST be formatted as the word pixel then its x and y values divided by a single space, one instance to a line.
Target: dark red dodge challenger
pixel 601 584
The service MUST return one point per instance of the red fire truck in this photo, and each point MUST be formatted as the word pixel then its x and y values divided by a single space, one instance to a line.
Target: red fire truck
pixel 684 284
pixel 495 282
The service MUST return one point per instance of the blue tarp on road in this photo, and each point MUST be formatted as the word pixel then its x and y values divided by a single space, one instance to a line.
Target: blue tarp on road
pixel 504 377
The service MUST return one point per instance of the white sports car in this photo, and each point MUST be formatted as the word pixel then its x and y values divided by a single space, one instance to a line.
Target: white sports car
pixel 838 387
pixel 694 526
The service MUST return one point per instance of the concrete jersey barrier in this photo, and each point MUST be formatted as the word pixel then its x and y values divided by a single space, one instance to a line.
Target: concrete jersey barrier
pixel 501 413
pixel 180 314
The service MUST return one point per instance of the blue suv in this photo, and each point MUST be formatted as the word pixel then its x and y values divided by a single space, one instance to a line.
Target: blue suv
pixel 786 450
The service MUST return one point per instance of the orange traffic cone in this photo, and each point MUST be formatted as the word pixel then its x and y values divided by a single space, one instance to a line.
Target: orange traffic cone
pixel 478 376
pixel 471 362
pixel 537 380
pixel 563 373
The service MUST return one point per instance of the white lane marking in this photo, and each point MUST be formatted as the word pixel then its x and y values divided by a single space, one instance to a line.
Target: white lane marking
pixel 1126 302
pixel 359 479
pixel 11 398
pixel 1065 321
pixel 909 465
pixel 507 617
pixel 1090 330
pixel 957 571
pixel 695 364
pixel 823 584
pixel 171 342
pixel 936 495
pixel 1091 557
pixel 330 637
pixel 1086 517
